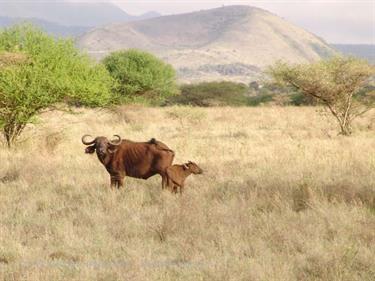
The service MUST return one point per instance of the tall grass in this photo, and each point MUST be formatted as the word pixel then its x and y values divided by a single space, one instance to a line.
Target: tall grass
pixel 282 198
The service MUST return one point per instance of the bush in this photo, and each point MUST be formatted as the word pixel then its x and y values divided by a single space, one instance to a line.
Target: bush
pixel 38 71
pixel 260 99
pixel 212 94
pixel 140 76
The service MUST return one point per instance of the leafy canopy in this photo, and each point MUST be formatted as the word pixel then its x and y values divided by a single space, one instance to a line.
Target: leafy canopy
pixel 38 71
pixel 141 76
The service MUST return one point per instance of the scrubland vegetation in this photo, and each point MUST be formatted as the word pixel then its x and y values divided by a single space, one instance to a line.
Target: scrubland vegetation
pixel 40 73
pixel 282 197
pixel 212 94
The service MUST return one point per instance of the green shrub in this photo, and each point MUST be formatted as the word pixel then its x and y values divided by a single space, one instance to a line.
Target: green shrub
pixel 212 94
pixel 140 76
pixel 260 99
pixel 38 71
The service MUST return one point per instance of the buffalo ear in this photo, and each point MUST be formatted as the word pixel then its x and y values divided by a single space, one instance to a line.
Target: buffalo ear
pixel 112 148
pixel 90 149
pixel 186 167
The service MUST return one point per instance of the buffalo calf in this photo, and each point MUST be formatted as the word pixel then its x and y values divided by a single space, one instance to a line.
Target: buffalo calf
pixel 177 174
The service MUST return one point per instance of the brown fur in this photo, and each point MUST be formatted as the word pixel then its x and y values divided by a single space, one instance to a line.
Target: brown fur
pixel 133 159
pixel 177 174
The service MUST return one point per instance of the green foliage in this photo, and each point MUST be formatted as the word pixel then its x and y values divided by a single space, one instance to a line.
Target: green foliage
pixel 335 82
pixel 212 94
pixel 299 99
pixel 38 71
pixel 140 76
pixel 260 99
pixel 367 95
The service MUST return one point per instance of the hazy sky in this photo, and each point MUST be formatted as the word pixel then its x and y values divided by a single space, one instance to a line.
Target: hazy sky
pixel 337 21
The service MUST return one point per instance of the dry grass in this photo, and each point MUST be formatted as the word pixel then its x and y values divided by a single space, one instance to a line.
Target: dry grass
pixel 282 198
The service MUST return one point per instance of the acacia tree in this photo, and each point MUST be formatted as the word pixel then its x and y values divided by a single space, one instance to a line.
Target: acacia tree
pixel 141 76
pixel 334 82
pixel 38 71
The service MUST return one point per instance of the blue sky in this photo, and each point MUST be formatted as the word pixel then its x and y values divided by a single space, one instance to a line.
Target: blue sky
pixel 337 21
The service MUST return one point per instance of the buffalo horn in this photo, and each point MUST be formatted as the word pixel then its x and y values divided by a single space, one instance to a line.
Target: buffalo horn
pixel 84 141
pixel 116 142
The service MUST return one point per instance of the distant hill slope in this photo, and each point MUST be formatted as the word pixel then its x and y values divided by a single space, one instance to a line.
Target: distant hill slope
pixel 364 51
pixel 49 27
pixel 65 13
pixel 231 43
pixel 63 17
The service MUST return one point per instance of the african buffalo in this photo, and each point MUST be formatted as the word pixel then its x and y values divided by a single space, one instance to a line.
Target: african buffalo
pixel 123 157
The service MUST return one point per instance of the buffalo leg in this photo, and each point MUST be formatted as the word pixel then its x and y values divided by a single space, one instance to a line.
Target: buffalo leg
pixel 113 181
pixel 117 181
pixel 120 182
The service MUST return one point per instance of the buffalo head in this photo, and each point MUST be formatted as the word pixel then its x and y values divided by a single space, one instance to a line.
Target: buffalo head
pixel 102 145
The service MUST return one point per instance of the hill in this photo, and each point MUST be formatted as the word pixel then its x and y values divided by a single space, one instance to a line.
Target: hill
pixel 364 51
pixel 232 43
pixel 64 18
pixel 49 27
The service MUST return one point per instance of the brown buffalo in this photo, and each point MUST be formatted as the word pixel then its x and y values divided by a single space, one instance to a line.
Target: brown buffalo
pixel 123 157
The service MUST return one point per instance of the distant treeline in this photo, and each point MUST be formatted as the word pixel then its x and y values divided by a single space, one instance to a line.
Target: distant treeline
pixel 226 93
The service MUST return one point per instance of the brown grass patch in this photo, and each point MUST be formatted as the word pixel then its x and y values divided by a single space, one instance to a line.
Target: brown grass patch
pixel 282 198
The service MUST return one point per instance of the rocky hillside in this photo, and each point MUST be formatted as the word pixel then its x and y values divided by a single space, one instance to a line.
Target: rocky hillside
pixel 231 43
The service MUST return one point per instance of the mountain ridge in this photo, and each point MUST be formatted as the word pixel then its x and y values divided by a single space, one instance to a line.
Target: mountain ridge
pixel 49 27
pixel 69 14
pixel 363 51
pixel 231 42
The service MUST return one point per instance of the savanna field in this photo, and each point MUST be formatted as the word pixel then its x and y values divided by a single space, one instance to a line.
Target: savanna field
pixel 282 197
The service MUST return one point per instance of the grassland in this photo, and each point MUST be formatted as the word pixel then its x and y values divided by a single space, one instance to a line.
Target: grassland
pixel 282 198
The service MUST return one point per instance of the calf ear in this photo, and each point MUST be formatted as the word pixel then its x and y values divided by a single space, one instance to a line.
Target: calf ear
pixel 186 167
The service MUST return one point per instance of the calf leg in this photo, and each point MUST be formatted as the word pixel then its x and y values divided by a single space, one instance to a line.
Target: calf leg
pixel 164 182
pixel 174 188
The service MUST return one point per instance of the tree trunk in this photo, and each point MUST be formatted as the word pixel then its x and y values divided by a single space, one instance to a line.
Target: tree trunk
pixel 346 129
pixel 11 132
